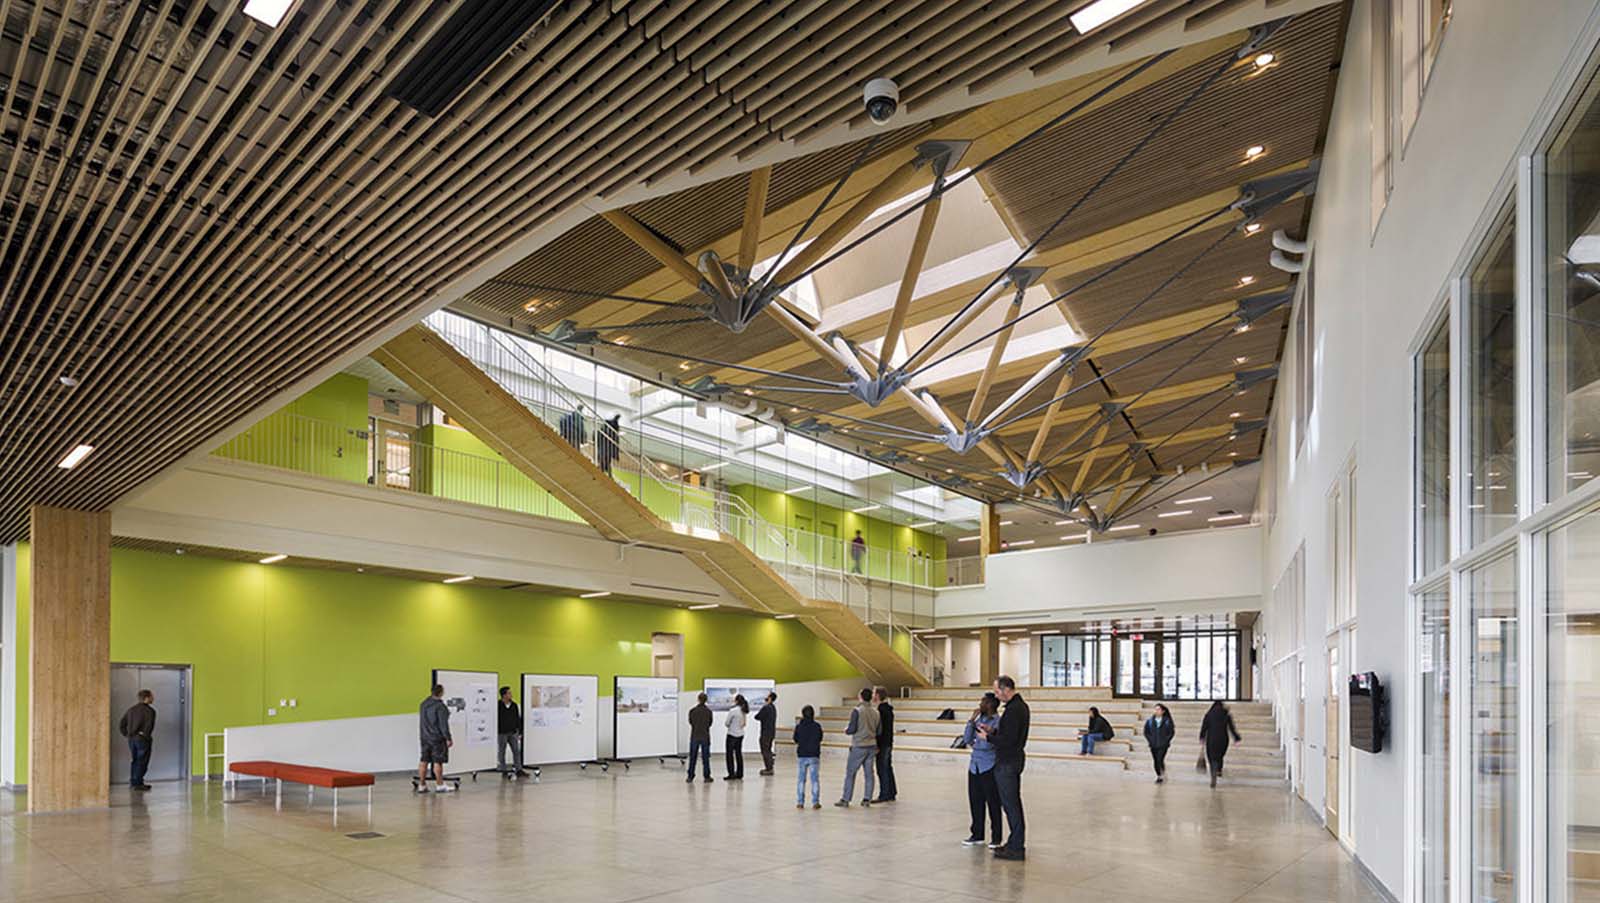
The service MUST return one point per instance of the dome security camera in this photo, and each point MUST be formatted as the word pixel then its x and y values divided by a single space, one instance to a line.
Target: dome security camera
pixel 881 97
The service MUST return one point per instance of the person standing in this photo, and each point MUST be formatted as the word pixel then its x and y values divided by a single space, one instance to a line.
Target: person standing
pixel 433 718
pixel 808 756
pixel 767 718
pixel 982 795
pixel 733 748
pixel 887 789
pixel 1099 730
pixel 863 731
pixel 608 442
pixel 1010 739
pixel 700 719
pixel 858 552
pixel 1158 733
pixel 510 734
pixel 1215 730
pixel 138 724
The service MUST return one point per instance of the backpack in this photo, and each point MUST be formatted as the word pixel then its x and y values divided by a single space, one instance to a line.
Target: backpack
pixel 947 715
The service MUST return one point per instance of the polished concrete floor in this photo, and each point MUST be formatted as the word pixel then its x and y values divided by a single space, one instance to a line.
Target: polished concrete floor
pixel 646 835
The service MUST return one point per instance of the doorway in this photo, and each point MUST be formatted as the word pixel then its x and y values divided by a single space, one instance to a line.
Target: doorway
pixel 1334 742
pixel 666 654
pixel 169 747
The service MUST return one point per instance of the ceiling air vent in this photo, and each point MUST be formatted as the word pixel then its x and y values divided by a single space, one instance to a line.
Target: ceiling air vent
pixel 470 41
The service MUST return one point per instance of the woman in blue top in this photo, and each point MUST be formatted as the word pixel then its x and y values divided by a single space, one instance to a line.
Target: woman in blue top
pixel 982 793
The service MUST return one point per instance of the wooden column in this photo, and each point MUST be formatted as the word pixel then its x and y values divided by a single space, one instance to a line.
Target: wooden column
pixel 69 660
pixel 988 655
pixel 989 531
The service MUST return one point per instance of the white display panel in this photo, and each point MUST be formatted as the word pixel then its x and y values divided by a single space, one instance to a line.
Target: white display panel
pixel 646 717
pixel 470 695
pixel 560 718
pixel 720 692
pixel 376 744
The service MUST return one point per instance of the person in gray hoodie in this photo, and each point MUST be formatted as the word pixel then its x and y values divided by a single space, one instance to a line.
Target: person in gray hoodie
pixel 434 718
pixel 863 731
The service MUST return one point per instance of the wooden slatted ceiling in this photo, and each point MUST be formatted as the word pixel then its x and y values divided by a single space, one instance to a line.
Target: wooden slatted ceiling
pixel 198 210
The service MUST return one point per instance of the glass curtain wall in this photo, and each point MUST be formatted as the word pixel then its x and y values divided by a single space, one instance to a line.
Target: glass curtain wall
pixel 1572 572
pixel 1433 451
pixel 1491 307
pixel 1494 706
pixel 1434 704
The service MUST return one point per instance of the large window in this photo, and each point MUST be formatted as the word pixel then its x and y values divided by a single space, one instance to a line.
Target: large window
pixel 1076 660
pixel 1573 768
pixel 1433 451
pixel 1494 730
pixel 1433 659
pixel 1572 324
pixel 1491 322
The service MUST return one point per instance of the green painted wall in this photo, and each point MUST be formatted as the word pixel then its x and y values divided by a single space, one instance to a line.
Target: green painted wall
pixel 347 645
pixel 798 512
pixel 330 442
pixel 452 463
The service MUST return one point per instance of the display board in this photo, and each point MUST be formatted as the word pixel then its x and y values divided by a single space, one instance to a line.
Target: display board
pixel 720 692
pixel 560 718
pixel 645 717
pixel 470 696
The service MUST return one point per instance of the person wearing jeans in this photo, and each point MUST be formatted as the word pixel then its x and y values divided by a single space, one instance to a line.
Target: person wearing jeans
pixel 1099 730
pixel 1010 739
pixel 808 754
pixel 700 719
pixel 863 731
pixel 983 798
pixel 509 735
pixel 138 725
pixel 733 749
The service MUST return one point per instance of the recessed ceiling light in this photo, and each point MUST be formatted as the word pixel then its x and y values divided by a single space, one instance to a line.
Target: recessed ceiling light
pixel 798 489
pixel 70 382
pixel 1263 60
pixel 926 523
pixel 1252 228
pixel 267 12
pixel 75 457
pixel 1234 416
pixel 1018 542
pixel 705 606
pixel 922 457
pixel 1233 454
pixel 967 539
pixel 1247 280
pixel 949 470
pixel 1254 151
pixel 1242 327
pixel 1013 630
pixel 1175 513
pixel 1123 527
pixel 1071 538
pixel 1196 500
pixel 1006 523
pixel 597 594
pixel 461 579
pixel 1241 359
pixel 1223 517
pixel 865 508
pixel 177 551
pixel 684 365
pixel 782 617
pixel 273 559
pixel 1100 12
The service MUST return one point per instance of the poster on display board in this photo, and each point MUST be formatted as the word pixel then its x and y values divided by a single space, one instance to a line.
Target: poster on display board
pixel 645 717
pixel 560 718
pixel 720 693
pixel 470 697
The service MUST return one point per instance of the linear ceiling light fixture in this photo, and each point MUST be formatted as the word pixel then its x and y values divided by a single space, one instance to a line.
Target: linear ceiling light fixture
pixel 797 489
pixel 461 579
pixel 1195 500
pixel 1174 513
pixel 273 559
pixel 597 594
pixel 267 12
pixel 1225 517
pixel 705 606
pixel 1100 12
pixel 75 457
pixel 926 523
pixel 782 617
pixel 865 508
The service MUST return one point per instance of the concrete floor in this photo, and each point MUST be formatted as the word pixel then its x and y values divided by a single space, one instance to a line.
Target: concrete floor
pixel 646 835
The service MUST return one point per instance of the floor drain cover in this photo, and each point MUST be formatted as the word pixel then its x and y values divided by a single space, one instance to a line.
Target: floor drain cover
pixel 364 835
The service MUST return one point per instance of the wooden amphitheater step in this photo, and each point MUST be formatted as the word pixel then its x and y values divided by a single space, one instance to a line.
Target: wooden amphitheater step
pixel 426 362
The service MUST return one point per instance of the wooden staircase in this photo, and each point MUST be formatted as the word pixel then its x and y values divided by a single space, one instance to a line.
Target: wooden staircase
pixel 431 366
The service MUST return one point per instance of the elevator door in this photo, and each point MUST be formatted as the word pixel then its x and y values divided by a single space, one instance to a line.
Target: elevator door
pixel 169 747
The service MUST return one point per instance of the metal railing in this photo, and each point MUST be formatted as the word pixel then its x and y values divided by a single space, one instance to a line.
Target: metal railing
pixel 963 571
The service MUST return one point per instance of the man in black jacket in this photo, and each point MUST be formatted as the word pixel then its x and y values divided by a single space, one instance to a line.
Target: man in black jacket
pixel 885 764
pixel 767 717
pixel 1010 739
pixel 139 725
pixel 510 730
pixel 700 719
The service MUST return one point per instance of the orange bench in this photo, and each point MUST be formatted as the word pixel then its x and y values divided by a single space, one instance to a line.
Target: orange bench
pixel 310 775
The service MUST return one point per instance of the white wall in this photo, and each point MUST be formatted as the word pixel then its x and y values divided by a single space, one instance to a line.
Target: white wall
pixel 961 662
pixel 1193 573
pixel 234 505
pixel 1374 296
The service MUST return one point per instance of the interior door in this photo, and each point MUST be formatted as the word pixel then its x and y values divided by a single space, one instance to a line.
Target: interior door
pixel 169 747
pixel 828 538
pixel 1335 742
